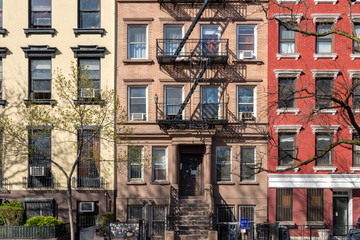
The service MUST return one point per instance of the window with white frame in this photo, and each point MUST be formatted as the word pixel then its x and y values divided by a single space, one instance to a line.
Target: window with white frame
pixel 247 161
pixel 210 102
pixel 89 81
pixel 323 92
pixel 135 163
pixel 158 221
pixel 137 42
pixel 136 212
pixel 286 92
pixel 249 213
pixel 210 39
pixel 324 43
pixel 89 14
pixel 173 35
pixel 223 163
pixel 159 164
pixel 323 140
pixel 246 102
pixel 137 99
pixel 40 78
pixel 356 93
pixel 246 39
pixel 356 46
pixel 286 40
pixel 40 14
pixel 356 152
pixel 286 149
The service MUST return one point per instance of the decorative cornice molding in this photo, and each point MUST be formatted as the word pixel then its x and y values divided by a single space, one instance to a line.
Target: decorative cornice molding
pixel 319 128
pixel 334 17
pixel 325 73
pixel 294 128
pixel 295 72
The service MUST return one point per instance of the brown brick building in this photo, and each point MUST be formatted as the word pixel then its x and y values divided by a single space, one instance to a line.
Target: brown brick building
pixel 192 76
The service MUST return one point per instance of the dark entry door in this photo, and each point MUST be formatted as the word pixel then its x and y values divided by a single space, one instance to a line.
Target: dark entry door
pixel 191 175
pixel 340 216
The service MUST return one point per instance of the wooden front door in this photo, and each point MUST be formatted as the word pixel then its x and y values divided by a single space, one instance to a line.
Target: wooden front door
pixel 191 175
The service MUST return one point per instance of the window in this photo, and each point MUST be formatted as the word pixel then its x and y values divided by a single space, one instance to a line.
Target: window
pixel 40 158
pixel 1 14
pixel 287 86
pixel 1 71
pixel 246 37
pixel 323 140
pixel 225 214
pixel 210 39
pixel 87 219
pixel 1 160
pixel 40 14
pixel 323 92
pixel 173 35
pixel 137 103
pixel 89 14
pixel 40 79
pixel 89 164
pixel 89 82
pixel 249 213
pixel 247 160
pixel 173 100
pixel 135 158
pixel 286 40
pixel 136 212
pixel 39 207
pixel 356 152
pixel 158 221
pixel 315 204
pixel 324 43
pixel 159 161
pixel 246 102
pixel 137 42
pixel 286 149
pixel 356 46
pixel 223 163
pixel 356 93
pixel 210 102
pixel 284 204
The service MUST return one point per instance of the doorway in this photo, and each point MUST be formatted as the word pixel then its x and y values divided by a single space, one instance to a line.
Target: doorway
pixel 340 214
pixel 191 175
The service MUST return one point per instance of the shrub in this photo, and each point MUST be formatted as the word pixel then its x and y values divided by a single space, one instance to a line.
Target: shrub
pixel 43 221
pixel 103 219
pixel 11 213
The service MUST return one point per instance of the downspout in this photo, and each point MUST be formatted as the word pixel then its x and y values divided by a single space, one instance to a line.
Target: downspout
pixel 115 98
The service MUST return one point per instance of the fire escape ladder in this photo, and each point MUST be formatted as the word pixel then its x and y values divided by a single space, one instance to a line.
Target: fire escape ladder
pixel 196 82
pixel 191 28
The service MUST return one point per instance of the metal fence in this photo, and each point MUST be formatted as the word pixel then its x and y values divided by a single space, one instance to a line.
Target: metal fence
pixel 35 232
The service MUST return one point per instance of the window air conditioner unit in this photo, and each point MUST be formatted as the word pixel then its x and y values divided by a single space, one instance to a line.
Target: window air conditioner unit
pixel 37 171
pixel 243 116
pixel 42 22
pixel 138 116
pixel 87 207
pixel 87 93
pixel 247 54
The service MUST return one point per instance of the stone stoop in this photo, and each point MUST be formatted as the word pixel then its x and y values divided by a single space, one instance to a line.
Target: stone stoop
pixel 193 222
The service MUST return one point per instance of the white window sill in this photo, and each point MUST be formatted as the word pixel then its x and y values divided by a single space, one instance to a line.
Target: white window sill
pixel 282 168
pixel 288 1
pixel 285 110
pixel 288 55
pixel 317 56
pixel 325 1
pixel 324 168
pixel 354 56
pixel 354 169
pixel 326 111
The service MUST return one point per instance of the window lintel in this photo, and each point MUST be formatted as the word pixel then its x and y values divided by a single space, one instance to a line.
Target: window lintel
pixel 325 73
pixel 288 17
pixel 39 51
pixel 318 128
pixel 331 17
pixel 287 73
pixel 354 74
pixel 88 51
pixel 288 128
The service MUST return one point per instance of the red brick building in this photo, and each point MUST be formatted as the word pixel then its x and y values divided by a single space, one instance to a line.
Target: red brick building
pixel 303 71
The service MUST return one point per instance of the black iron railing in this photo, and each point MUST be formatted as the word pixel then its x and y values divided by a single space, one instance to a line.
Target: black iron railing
pixel 88 182
pixel 216 49
pixel 34 232
pixel 38 182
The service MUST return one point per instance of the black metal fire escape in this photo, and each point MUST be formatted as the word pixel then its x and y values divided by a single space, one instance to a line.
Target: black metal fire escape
pixel 205 59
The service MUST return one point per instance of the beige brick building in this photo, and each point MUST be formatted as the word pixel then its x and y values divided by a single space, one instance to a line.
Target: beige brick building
pixel 198 113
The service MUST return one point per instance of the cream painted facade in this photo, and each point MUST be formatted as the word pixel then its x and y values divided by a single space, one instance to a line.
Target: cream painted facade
pixel 15 75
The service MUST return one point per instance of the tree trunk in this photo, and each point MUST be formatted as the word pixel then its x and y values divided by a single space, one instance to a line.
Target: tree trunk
pixel 69 200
